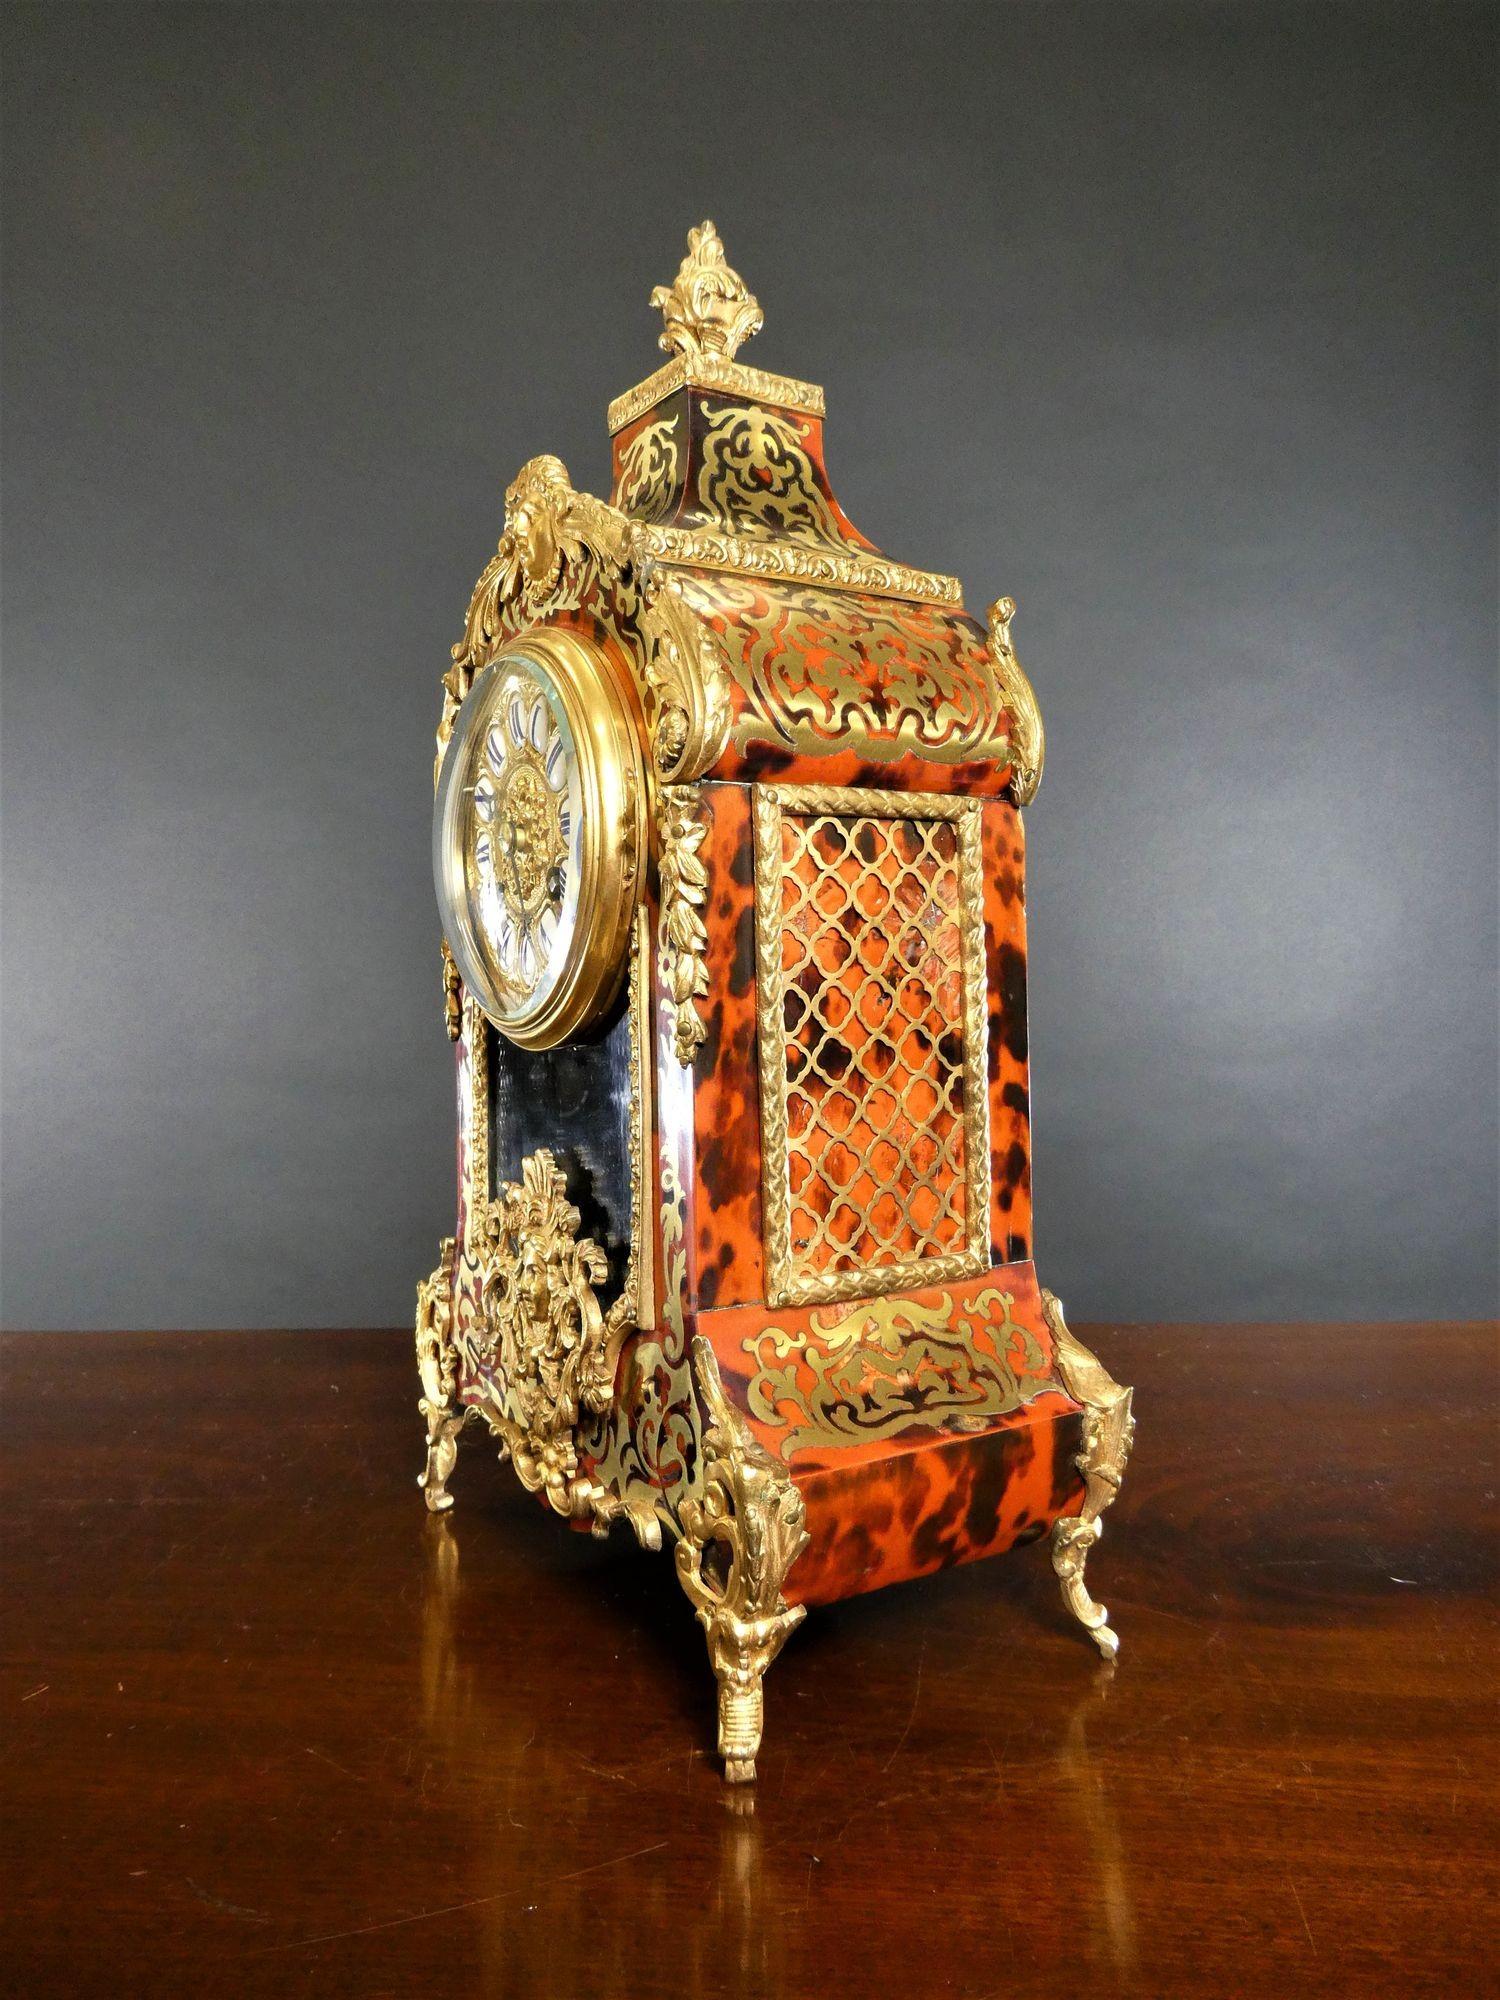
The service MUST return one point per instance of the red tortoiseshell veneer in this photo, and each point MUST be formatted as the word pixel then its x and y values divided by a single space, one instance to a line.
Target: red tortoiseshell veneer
pixel 940 1489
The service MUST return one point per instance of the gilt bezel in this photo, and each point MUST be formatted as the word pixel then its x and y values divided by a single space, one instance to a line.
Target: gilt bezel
pixel 611 802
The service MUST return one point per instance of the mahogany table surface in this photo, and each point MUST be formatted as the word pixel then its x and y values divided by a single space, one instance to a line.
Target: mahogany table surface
pixel 270 1728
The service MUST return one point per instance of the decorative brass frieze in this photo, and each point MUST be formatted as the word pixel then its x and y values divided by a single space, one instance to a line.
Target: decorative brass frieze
pixel 894 1193
pixel 636 1304
pixel 825 568
pixel 684 891
pixel 712 371
pixel 876 1369
pixel 708 308
pixel 1028 739
pixel 1108 1432
pixel 749 1507
pixel 474 1129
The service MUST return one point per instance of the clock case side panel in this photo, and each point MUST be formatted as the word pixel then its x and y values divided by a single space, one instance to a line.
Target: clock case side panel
pixel 727 1233
pixel 929 1496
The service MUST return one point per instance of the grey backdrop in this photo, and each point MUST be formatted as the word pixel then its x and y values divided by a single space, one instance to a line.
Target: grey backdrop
pixel 1175 321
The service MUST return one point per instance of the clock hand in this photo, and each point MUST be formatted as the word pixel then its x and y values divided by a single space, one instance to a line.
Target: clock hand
pixel 515 876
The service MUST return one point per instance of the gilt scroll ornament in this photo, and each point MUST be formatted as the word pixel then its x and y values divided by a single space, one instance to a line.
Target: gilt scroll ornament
pixel 1108 1433
pixel 687 682
pixel 543 1333
pixel 556 543
pixel 752 1513
pixel 681 830
pixel 453 995
pixel 437 1369
pixel 1028 739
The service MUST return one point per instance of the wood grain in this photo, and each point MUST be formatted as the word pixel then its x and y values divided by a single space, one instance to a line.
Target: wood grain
pixel 271 1729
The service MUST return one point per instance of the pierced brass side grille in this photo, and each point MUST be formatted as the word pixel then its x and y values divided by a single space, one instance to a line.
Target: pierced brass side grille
pixel 871 1016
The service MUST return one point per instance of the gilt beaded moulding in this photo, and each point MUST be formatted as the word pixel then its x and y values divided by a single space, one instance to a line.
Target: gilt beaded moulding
pixel 730 860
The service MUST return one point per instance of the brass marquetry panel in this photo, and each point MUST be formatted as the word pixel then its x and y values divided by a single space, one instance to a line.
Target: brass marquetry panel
pixel 872 1023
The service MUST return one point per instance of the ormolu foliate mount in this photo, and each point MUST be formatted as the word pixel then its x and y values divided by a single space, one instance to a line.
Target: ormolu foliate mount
pixel 729 852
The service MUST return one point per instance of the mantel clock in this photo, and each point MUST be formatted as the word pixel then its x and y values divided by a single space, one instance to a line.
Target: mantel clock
pixel 729 855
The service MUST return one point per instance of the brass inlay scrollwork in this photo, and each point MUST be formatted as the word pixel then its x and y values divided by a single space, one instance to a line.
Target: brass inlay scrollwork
pixel 650 467
pixel 881 1367
pixel 749 1509
pixel 754 472
pixel 872 1030
pixel 647 1447
pixel 816 670
pixel 1108 1433
pixel 1028 739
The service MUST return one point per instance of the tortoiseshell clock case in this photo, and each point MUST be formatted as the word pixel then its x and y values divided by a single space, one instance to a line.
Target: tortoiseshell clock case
pixel 744 1257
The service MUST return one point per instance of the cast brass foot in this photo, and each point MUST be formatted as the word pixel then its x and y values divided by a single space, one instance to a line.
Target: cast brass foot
pixel 1108 1429
pixel 442 1454
pixel 1071 1541
pixel 436 1364
pixel 739 1539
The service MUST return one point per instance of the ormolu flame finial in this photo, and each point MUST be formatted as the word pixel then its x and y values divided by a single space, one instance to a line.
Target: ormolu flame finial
pixel 709 309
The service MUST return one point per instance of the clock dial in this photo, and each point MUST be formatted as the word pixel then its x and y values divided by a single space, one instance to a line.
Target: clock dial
pixel 536 838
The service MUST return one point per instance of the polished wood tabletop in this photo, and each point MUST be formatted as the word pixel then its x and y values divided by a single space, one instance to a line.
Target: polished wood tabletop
pixel 272 1729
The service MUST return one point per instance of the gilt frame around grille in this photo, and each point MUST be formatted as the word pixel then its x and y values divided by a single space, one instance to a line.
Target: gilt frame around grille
pixel 789 1281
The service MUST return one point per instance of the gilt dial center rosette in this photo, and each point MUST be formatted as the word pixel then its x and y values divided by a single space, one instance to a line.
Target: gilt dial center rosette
pixel 520 835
